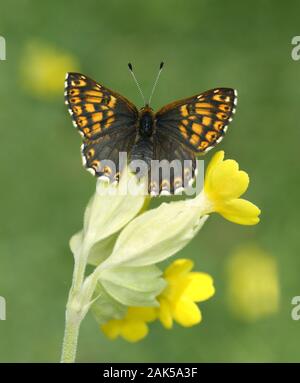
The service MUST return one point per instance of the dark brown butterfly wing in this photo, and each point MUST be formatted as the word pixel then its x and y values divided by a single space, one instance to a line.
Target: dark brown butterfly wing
pixel 180 166
pixel 198 122
pixel 106 120
pixel 189 127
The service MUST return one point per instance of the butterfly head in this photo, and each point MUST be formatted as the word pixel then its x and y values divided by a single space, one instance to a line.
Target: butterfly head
pixel 146 108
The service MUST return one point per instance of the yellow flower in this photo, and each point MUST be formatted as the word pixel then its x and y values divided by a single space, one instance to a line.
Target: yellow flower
pixel 224 184
pixel 253 287
pixel 44 67
pixel 133 327
pixel 177 301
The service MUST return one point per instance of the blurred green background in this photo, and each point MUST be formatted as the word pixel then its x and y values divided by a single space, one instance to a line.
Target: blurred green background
pixel 44 188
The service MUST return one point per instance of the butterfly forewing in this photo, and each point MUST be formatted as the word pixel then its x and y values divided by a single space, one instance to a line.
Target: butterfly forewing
pixel 199 122
pixel 95 109
pixel 105 119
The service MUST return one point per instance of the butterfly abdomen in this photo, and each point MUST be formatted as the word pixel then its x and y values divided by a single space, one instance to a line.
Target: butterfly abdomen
pixel 142 150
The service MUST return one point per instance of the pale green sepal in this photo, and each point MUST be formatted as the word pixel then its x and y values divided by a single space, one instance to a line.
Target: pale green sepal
pixel 102 250
pixel 108 211
pixel 105 307
pixel 133 286
pixel 157 234
pixel 76 242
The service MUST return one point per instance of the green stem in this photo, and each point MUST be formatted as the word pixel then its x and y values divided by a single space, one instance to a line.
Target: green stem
pixel 70 340
pixel 74 311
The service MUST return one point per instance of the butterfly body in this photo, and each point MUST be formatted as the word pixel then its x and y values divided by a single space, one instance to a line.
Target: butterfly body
pixel 143 147
pixel 111 124
pixel 146 122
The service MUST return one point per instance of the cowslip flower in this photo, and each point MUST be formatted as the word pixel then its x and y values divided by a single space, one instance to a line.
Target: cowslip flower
pixel 133 327
pixel 184 289
pixel 176 302
pixel 224 184
pixel 252 284
pixel 125 243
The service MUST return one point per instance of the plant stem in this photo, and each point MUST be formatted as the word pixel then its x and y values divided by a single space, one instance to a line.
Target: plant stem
pixel 70 340
pixel 74 310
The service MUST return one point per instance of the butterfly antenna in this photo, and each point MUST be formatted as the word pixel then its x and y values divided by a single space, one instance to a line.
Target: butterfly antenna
pixel 136 81
pixel 156 81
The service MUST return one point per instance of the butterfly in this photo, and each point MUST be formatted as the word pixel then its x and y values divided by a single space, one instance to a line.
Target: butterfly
pixel 111 124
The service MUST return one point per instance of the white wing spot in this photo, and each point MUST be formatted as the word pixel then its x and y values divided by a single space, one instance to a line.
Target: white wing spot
pixel 164 193
pixel 179 191
pixel 104 179
pixel 91 170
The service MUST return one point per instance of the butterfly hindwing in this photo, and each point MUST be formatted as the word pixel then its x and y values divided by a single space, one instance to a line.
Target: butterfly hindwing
pixel 199 122
pixel 102 155
pixel 182 167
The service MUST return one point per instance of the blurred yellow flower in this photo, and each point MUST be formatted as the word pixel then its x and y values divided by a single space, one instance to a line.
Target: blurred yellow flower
pixel 184 288
pixel 253 287
pixel 224 184
pixel 43 69
pixel 133 327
